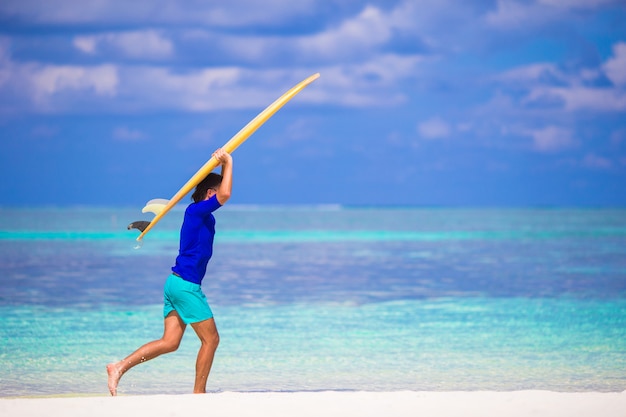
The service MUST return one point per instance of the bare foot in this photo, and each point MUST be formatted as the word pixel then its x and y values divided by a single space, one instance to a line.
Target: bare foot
pixel 114 377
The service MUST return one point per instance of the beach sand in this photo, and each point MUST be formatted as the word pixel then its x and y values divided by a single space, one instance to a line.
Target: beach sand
pixel 328 403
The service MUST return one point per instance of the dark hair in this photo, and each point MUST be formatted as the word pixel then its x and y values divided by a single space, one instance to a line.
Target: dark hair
pixel 212 180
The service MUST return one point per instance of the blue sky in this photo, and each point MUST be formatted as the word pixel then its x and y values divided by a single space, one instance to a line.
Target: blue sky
pixel 446 103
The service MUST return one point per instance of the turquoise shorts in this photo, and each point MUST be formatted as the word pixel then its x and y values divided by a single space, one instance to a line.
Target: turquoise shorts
pixel 187 299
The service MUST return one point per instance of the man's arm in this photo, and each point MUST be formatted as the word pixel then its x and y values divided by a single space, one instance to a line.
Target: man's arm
pixel 224 190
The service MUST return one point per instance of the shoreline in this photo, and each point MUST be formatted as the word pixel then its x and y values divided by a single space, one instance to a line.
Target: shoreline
pixel 333 403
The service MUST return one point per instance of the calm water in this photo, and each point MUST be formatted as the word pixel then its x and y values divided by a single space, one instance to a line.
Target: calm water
pixel 322 298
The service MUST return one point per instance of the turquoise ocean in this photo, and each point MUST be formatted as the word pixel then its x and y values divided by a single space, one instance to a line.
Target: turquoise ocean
pixel 321 298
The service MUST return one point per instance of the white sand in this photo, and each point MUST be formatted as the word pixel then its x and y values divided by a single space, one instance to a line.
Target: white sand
pixel 322 404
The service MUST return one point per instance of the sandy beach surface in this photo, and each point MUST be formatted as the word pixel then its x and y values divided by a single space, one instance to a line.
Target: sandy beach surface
pixel 328 403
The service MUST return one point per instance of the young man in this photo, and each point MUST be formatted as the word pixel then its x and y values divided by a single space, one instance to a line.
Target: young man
pixel 184 301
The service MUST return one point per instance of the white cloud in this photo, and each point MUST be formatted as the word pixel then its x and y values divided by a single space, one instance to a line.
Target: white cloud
pixel 370 78
pixel 369 29
pixel 198 90
pixel 546 84
pixel 596 162
pixel 86 44
pixel 52 79
pixel 434 128
pixel 356 69
pixel 57 88
pixel 579 98
pixel 234 13
pixel 139 88
pixel 515 14
pixel 512 14
pixel 5 63
pixel 531 74
pixel 552 139
pixel 576 4
pixel 68 88
pixel 363 85
pixel 353 56
pixel 355 38
pixel 123 133
pixel 133 44
pixel 615 67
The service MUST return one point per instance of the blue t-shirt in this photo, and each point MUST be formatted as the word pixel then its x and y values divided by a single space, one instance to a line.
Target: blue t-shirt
pixel 196 240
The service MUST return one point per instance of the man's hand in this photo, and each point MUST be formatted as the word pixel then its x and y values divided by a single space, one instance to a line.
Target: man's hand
pixel 223 157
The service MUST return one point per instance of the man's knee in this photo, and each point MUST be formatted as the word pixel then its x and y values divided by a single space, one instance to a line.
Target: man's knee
pixel 171 345
pixel 207 333
pixel 212 339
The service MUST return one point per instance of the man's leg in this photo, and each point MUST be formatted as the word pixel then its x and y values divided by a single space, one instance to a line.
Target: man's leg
pixel 173 331
pixel 209 338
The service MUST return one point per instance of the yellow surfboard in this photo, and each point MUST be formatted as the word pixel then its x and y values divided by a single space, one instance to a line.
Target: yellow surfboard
pixel 229 147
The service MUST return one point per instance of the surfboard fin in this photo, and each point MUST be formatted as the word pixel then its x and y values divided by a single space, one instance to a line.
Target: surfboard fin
pixel 139 225
pixel 155 206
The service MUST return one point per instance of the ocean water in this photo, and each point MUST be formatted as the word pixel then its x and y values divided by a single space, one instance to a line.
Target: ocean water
pixel 322 298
